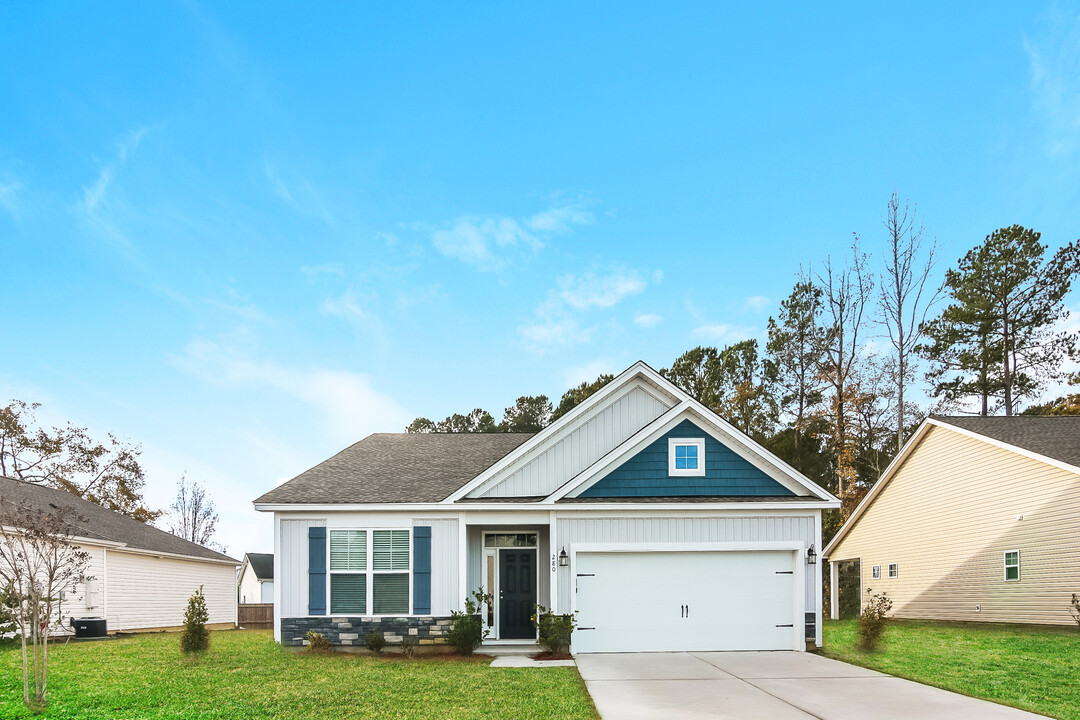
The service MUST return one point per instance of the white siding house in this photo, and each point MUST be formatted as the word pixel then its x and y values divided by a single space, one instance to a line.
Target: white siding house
pixel 660 524
pixel 139 577
pixel 256 581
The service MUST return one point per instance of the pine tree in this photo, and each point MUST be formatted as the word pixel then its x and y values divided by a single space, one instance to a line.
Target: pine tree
pixel 195 637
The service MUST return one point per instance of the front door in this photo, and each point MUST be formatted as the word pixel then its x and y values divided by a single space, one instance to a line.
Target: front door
pixel 517 593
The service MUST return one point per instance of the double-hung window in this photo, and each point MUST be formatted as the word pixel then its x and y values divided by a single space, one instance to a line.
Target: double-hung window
pixel 1012 566
pixel 369 572
pixel 875 572
pixel 686 457
pixel 894 570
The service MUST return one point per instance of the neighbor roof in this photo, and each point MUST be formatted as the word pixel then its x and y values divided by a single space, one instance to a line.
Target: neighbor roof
pixel 397 468
pixel 262 564
pixel 96 522
pixel 1056 437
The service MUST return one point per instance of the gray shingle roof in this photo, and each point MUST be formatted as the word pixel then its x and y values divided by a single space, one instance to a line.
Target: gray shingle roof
pixel 397 468
pixel 103 524
pixel 1056 437
pixel 262 564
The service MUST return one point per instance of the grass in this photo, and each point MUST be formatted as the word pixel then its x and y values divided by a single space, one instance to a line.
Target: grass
pixel 1032 668
pixel 245 674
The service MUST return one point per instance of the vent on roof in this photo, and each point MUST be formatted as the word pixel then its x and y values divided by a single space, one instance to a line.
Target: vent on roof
pixel 53 506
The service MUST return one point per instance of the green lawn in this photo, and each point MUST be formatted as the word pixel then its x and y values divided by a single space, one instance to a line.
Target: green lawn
pixel 1036 669
pixel 247 675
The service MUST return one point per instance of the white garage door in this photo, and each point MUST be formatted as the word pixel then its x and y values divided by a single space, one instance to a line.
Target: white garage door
pixel 685 601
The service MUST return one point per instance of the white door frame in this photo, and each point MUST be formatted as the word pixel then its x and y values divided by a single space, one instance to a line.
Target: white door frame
pixel 795 547
pixel 494 592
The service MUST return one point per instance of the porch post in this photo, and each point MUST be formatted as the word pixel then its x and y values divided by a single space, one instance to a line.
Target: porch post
pixel 834 596
pixel 553 545
pixel 463 565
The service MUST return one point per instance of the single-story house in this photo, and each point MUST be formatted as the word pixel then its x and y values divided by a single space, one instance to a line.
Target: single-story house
pixel 256 581
pixel 139 577
pixel 977 519
pixel 662 526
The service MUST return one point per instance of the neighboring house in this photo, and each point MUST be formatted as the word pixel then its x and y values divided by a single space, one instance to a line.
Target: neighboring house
pixel 256 584
pixel 140 577
pixel 658 523
pixel 977 519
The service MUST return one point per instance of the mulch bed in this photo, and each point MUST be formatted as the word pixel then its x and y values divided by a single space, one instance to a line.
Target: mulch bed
pixel 552 656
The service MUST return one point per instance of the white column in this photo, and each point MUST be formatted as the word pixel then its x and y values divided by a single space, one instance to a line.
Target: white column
pixel 553 545
pixel 463 565
pixel 834 596
pixel 819 571
pixel 279 578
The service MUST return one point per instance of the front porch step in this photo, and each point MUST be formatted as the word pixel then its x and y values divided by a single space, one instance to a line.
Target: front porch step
pixel 514 649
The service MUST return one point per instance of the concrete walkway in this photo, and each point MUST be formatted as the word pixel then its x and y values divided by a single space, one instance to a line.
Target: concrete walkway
pixel 773 685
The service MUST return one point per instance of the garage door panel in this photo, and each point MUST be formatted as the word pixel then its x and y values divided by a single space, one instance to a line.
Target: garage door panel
pixel 635 601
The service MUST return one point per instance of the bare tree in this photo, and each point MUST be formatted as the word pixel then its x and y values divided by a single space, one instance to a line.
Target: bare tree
pixel 846 291
pixel 38 561
pixel 905 298
pixel 192 514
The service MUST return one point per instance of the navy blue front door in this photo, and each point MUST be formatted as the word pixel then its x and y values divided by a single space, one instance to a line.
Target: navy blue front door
pixel 517 593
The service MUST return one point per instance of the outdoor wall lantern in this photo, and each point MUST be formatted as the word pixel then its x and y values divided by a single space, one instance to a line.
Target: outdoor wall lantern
pixel 564 559
pixel 811 556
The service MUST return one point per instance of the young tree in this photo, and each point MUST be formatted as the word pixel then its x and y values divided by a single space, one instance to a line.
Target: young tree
pixel 577 395
pixel 195 638
pixel 529 414
pixel 67 458
pixel 698 372
pixel 905 297
pixel 38 560
pixel 1007 299
pixel 795 352
pixel 192 514
pixel 846 292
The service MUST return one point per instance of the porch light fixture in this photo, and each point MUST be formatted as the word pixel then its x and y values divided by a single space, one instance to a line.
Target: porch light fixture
pixel 564 559
pixel 811 556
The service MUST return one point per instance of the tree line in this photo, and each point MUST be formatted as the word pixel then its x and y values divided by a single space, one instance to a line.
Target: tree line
pixel 833 392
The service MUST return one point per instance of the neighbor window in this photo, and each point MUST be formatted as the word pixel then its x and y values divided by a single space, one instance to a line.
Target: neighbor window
pixel 1012 565
pixel 875 572
pixel 686 456
pixel 387 575
pixel 894 570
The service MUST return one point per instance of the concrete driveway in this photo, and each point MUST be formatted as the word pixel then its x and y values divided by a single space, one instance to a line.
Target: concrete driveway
pixel 773 685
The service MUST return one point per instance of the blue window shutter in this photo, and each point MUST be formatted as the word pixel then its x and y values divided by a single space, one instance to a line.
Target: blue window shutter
pixel 421 570
pixel 316 571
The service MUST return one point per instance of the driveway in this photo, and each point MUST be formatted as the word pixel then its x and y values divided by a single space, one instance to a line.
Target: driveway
pixel 773 685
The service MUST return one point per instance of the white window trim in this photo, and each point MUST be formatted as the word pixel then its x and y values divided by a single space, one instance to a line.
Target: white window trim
pixel 1006 566
pixel 675 442
pixel 891 566
pixel 370 571
pixel 875 572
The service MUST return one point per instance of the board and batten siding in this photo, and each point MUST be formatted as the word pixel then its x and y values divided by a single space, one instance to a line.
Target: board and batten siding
pixel 293 553
pixel 146 591
pixel 444 564
pixel 554 466
pixel 652 531
pixel 947 517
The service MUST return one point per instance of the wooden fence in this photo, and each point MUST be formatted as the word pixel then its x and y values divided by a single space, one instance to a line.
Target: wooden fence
pixel 256 616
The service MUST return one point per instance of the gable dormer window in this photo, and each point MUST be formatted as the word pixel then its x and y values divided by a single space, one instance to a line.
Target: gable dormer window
pixel 686 457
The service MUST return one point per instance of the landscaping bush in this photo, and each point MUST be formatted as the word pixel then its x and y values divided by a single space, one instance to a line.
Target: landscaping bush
pixel 375 642
pixel 467 630
pixel 554 630
pixel 872 621
pixel 1074 609
pixel 195 638
pixel 409 645
pixel 318 643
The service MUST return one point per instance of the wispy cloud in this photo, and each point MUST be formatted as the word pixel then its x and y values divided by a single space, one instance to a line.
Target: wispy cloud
pixel 94 195
pixel 587 373
pixel 723 333
pixel 756 303
pixel 557 321
pixel 1054 61
pixel 9 195
pixel 647 320
pixel 486 242
pixel 300 194
pixel 313 271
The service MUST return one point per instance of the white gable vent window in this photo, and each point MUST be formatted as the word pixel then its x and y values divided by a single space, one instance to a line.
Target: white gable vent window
pixel 686 457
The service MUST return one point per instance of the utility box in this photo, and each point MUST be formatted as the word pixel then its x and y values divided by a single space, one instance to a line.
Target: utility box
pixel 90 627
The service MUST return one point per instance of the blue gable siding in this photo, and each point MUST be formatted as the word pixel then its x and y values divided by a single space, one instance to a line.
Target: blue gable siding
pixel 646 474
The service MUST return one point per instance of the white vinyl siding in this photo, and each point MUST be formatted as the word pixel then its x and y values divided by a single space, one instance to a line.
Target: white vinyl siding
pixel 948 515
pixel 444 564
pixel 553 467
pixel 293 549
pixel 145 591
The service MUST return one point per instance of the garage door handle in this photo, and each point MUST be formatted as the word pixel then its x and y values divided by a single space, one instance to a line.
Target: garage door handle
pixel 682 611
pixel 785 572
pixel 583 628
pixel 788 625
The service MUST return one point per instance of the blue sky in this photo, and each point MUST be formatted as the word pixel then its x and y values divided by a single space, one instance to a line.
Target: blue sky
pixel 245 236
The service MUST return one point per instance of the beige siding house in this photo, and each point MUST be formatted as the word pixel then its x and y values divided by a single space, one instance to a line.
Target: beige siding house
pixel 977 519
pixel 139 577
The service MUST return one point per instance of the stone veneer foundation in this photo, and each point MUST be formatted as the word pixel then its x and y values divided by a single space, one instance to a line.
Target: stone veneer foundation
pixel 354 630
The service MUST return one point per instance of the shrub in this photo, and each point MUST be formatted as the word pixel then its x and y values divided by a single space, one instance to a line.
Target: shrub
pixel 195 638
pixel 375 642
pixel 318 643
pixel 408 645
pixel 554 630
pixel 467 630
pixel 1074 609
pixel 872 621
